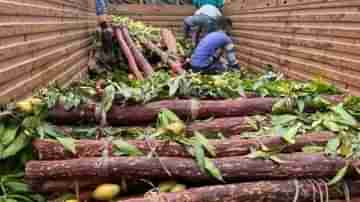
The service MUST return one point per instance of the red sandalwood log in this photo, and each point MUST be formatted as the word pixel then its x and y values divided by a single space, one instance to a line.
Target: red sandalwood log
pixel 143 114
pixel 185 109
pixel 127 52
pixel 263 191
pixel 297 165
pixel 168 38
pixel 52 150
pixel 139 57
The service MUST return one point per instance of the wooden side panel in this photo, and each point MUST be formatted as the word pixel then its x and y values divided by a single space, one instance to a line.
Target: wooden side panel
pixel 169 16
pixel 42 41
pixel 302 38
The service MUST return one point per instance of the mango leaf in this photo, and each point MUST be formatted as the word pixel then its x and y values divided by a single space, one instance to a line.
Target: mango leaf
pixel 205 143
pixel 332 146
pixel 350 120
pixel 124 148
pixel 37 198
pixel 301 105
pixel 200 156
pixel 282 119
pixel 16 146
pixel 312 149
pixel 212 169
pixel 339 175
pixel 9 135
pixel 18 197
pixel 51 131
pixel 289 135
pixel 18 187
pixel 346 148
pixel 68 143
pixel 174 86
pixel 331 125
pixel 276 159
pixel 8 200
pixel 109 95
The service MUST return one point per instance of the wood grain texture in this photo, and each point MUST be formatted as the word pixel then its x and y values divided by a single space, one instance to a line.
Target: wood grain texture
pixel 42 41
pixel 304 39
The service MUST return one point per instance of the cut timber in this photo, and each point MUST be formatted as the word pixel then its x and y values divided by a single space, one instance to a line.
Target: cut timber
pixel 52 150
pixel 139 57
pixel 147 113
pixel 128 54
pixel 143 114
pixel 174 62
pixel 229 126
pixel 296 165
pixel 263 191
pixel 168 38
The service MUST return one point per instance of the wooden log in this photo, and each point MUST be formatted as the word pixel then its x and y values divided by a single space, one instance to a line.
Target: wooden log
pixel 168 38
pixel 139 57
pixel 128 54
pixel 185 109
pixel 143 114
pixel 52 150
pixel 296 165
pixel 262 191
pixel 228 126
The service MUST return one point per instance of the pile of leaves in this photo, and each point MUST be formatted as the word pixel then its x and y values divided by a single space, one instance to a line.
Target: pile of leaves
pixel 289 119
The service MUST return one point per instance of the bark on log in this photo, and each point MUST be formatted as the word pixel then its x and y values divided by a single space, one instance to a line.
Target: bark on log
pixel 185 109
pixel 174 63
pixel 128 54
pixel 296 165
pixel 52 150
pixel 139 57
pixel 263 191
pixel 169 40
pixel 143 114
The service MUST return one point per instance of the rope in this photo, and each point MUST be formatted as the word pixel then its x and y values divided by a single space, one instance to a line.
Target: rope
pixel 194 108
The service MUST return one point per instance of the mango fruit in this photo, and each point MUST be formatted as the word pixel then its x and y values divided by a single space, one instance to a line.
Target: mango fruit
pixel 24 106
pixel 106 192
pixel 166 186
pixel 71 200
pixel 178 188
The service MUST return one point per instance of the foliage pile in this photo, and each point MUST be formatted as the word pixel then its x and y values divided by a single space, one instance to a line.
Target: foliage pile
pixel 23 122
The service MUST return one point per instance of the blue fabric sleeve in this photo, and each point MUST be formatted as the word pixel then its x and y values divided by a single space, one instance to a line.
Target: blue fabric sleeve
pixel 100 7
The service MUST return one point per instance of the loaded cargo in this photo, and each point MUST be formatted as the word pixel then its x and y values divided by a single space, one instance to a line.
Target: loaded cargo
pixel 112 108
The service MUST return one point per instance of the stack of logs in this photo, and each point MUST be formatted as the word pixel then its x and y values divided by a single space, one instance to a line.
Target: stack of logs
pixel 298 177
pixel 137 62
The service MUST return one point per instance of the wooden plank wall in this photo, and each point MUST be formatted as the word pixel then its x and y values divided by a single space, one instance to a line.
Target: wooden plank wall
pixel 168 16
pixel 42 41
pixel 302 38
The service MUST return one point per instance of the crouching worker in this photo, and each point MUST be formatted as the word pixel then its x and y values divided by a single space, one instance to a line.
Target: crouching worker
pixel 207 56
pixel 202 22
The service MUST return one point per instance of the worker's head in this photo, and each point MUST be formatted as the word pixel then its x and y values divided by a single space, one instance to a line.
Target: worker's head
pixel 224 23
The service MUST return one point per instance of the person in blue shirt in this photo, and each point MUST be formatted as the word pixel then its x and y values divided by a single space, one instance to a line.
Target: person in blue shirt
pixel 207 55
pixel 100 7
pixel 202 22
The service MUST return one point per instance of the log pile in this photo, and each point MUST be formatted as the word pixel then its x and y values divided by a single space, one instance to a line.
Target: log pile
pixel 261 169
